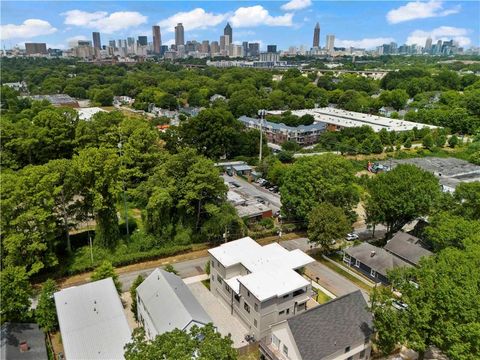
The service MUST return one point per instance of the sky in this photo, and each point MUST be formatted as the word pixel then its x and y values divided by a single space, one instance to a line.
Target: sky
pixel 364 24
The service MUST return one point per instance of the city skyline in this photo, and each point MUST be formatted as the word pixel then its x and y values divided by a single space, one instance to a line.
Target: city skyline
pixel 401 22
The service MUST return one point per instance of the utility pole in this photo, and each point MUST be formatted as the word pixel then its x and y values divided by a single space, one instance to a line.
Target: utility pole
pixel 124 192
pixel 261 113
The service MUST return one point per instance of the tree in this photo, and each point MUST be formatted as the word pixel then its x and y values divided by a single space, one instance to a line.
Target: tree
pixel 326 224
pixel 440 140
pixel 408 143
pixel 46 313
pixel 443 306
pixel 401 195
pixel 170 268
pixel 290 145
pixel 202 343
pixel 133 295
pixel 104 97
pixel 468 198
pixel 105 271
pixel 453 141
pixel 15 294
pixel 315 179
pixel 427 141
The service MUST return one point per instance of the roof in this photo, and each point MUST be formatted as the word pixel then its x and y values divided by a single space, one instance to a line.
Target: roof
pixel 381 262
pixel 271 266
pixel 169 302
pixel 331 327
pixel 407 247
pixel 281 126
pixel 14 333
pixel 252 209
pixel 242 167
pixel 92 322
pixel 87 113
pixel 344 118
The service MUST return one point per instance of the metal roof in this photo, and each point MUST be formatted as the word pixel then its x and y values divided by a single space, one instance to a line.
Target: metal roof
pixel 92 321
pixel 331 327
pixel 281 126
pixel 170 303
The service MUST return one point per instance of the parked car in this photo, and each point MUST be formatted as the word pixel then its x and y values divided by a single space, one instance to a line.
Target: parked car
pixel 351 237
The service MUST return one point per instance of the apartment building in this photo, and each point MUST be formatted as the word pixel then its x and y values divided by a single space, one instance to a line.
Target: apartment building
pixel 261 285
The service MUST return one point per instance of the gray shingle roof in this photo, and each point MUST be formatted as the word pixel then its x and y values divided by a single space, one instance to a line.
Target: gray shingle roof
pixel 169 302
pixel 328 328
pixel 407 247
pixel 380 262
pixel 11 336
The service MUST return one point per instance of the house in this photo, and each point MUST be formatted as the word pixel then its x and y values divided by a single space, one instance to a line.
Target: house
pixel 216 97
pixel 92 322
pixel 260 284
pixel 242 169
pixel 407 247
pixel 372 261
pixel 165 303
pixel 22 342
pixel 18 86
pixel 340 329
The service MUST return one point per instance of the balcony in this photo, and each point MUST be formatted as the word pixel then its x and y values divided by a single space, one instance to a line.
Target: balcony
pixel 269 351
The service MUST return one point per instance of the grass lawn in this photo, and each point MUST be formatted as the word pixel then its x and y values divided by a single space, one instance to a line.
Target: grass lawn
pixel 321 297
pixel 251 355
pixel 206 283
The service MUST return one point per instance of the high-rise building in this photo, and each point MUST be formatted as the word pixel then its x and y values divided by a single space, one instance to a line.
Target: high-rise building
pixel 254 49
pixel 271 48
pixel 428 44
pixel 228 31
pixel 36 48
pixel 214 48
pixel 245 48
pixel 330 42
pixel 205 46
pixel 163 50
pixel 179 35
pixel 222 42
pixel 112 44
pixel 157 40
pixel 97 44
pixel 316 36
pixel 142 40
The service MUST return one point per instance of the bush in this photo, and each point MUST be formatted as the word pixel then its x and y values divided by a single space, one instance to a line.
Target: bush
pixel 207 268
pixel 267 223
pixel 169 268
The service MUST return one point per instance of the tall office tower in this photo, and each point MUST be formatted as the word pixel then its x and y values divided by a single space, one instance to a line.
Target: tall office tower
pixel 157 40
pixel 214 48
pixel 36 48
pixel 142 40
pixel 228 31
pixel 130 41
pixel 222 43
pixel 393 48
pixel 271 48
pixel 163 49
pixel 205 46
pixel 330 42
pixel 179 35
pixel 245 48
pixel 428 45
pixel 254 49
pixel 111 43
pixel 316 36
pixel 97 44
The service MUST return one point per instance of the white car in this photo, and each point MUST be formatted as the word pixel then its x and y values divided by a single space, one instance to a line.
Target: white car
pixel 351 237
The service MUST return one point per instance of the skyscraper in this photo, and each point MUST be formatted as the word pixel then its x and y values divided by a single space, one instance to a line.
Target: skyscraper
pixel 36 48
pixel 316 36
pixel 428 44
pixel 228 31
pixel 157 40
pixel 271 48
pixel 142 40
pixel 96 40
pixel 254 49
pixel 330 42
pixel 179 35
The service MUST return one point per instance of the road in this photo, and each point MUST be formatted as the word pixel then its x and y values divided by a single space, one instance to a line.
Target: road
pixel 254 190
pixel 328 278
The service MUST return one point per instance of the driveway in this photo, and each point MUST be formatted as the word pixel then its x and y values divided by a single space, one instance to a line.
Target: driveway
pixel 220 314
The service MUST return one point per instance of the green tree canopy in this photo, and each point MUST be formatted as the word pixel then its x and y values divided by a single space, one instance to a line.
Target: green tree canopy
pixel 46 313
pixel 105 271
pixel 326 224
pixel 15 294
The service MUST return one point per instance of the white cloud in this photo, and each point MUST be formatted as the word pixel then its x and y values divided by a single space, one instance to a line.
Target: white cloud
pixel 420 10
pixel 28 29
pixel 258 15
pixel 441 33
pixel 72 41
pixel 367 43
pixel 102 21
pixel 194 19
pixel 296 5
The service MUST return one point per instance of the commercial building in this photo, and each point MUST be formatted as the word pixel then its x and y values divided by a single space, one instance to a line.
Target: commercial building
pixel 316 36
pixel 330 45
pixel 165 303
pixel 271 48
pixel 142 40
pixel 253 49
pixel 336 119
pixel 179 35
pixel 92 321
pixel 270 57
pixel 36 48
pixel 260 284
pixel 97 44
pixel 340 329
pixel 279 133
pixel 227 31
pixel 157 39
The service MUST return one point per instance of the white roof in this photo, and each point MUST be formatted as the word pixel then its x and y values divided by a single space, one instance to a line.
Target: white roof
pixel 87 113
pixel 92 322
pixel 271 267
pixel 344 118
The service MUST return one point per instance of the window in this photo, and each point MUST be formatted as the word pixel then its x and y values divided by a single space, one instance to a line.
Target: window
pixel 246 307
pixel 275 341
pixel 285 350
pixel 299 292
pixel 372 273
pixel 255 322
pixel 281 312
pixel 286 296
pixel 288 311
pixel 357 263
pixel 227 287
pixel 237 297
pixel 362 354
pixel 248 293
pixel 347 349
pixel 219 279
pixel 212 263
pixel 255 306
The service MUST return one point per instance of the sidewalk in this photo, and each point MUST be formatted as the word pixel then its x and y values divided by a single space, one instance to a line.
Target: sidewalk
pixel 195 279
pixel 353 273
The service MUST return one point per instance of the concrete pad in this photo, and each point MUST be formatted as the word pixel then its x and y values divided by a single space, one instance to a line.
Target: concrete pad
pixel 220 314
pixel 195 279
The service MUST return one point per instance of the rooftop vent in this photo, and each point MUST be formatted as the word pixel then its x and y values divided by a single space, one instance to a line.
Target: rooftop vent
pixel 23 346
pixel 372 253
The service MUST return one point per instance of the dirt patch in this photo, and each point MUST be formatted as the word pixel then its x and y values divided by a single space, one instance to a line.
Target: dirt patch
pixel 127 305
